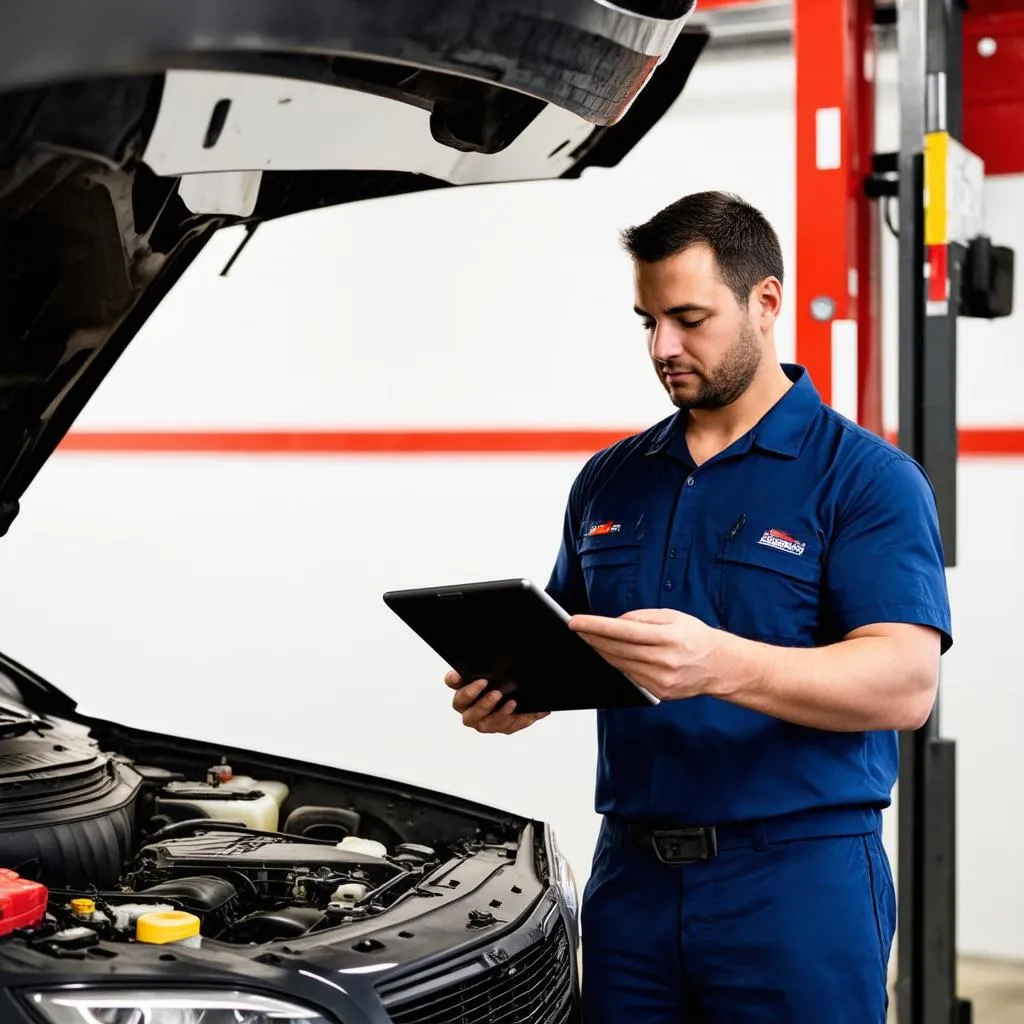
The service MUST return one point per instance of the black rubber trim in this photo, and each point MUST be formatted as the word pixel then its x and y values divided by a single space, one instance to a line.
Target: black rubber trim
pixel 581 55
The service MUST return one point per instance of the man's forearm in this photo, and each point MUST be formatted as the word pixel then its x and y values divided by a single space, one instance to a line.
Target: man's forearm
pixel 862 683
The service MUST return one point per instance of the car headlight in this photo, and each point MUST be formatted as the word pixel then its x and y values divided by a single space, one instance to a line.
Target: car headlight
pixel 564 879
pixel 85 1006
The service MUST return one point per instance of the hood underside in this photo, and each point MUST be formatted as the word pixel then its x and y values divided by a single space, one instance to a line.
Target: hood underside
pixel 131 130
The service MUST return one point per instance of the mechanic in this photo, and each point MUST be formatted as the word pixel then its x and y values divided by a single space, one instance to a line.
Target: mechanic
pixel 774 574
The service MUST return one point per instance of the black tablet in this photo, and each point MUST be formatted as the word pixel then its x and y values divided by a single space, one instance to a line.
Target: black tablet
pixel 513 634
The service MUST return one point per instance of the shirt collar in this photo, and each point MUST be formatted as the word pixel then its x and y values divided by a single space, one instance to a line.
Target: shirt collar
pixel 781 430
pixel 665 432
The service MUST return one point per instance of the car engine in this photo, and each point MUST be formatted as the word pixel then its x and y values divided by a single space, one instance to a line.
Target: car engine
pixel 248 886
pixel 112 840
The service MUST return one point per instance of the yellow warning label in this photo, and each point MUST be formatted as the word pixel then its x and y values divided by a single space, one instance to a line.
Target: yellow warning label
pixel 936 188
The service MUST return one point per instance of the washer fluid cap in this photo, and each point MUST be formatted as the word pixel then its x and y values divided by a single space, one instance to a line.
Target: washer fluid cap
pixel 167 926
pixel 369 847
pixel 220 772
pixel 83 907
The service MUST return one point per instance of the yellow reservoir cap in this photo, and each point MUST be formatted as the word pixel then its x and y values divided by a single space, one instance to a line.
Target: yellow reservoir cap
pixel 166 926
pixel 81 907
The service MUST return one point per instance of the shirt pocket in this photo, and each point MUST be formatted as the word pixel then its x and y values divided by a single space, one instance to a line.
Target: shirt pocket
pixel 769 594
pixel 610 563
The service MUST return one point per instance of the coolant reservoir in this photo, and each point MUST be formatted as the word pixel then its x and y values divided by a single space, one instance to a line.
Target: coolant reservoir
pixel 243 783
pixel 367 847
pixel 254 802
pixel 126 915
pixel 171 926
pixel 349 894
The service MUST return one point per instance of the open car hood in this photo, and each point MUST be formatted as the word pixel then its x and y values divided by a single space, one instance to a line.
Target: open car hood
pixel 131 130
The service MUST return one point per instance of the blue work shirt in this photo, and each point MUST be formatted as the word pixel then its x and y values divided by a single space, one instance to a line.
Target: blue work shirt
pixel 804 529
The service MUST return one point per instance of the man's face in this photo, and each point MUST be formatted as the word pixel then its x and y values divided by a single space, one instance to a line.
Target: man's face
pixel 705 347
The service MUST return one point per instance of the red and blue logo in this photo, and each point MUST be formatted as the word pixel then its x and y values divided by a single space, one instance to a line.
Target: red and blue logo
pixel 782 541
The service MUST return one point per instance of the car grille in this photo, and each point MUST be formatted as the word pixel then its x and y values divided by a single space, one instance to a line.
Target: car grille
pixel 533 987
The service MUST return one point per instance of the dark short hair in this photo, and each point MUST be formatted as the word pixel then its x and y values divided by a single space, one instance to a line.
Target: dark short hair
pixel 745 245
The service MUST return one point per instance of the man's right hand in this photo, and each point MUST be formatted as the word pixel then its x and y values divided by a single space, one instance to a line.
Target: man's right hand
pixel 480 714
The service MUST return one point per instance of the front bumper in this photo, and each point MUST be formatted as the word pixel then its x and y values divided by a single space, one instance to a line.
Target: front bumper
pixel 528 973
pixel 532 977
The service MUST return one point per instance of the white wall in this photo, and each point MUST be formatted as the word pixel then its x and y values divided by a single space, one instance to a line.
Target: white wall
pixel 239 598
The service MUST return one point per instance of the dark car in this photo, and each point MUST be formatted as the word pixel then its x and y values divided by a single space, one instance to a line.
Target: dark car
pixel 147 879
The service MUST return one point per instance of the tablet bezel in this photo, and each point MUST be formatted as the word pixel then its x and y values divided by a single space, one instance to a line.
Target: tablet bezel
pixel 577 679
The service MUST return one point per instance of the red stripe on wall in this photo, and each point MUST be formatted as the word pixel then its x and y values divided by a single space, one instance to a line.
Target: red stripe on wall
pixel 974 442
pixel 346 442
pixel 982 441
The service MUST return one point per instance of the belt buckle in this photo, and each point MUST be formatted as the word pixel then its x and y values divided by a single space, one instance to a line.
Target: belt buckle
pixel 684 845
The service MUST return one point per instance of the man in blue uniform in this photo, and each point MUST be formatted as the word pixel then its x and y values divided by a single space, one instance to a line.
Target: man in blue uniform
pixel 774 574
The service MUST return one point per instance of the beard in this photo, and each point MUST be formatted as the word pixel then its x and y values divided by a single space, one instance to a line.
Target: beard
pixel 730 378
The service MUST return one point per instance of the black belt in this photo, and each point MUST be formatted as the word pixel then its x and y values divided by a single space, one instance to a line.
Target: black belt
pixel 679 845
pixel 691 844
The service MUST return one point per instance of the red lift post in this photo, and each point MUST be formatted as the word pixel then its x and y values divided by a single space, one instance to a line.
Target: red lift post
pixel 836 225
pixel 993 68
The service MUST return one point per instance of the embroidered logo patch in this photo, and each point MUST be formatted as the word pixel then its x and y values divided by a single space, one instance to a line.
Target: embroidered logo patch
pixel 782 542
pixel 600 529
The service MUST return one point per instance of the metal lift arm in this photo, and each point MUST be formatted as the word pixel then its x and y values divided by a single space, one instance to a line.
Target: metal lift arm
pixel 931 92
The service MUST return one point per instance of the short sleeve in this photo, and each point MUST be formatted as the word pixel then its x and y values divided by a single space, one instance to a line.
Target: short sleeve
pixel 885 562
pixel 567 585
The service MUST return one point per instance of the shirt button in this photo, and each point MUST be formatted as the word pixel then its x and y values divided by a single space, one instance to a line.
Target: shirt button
pixel 671 552
pixel 689 481
pixel 668 584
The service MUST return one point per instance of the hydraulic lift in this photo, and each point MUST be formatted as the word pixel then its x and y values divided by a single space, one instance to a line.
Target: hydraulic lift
pixel 961 80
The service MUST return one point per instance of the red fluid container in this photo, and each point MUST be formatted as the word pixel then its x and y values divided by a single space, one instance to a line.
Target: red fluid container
pixel 22 903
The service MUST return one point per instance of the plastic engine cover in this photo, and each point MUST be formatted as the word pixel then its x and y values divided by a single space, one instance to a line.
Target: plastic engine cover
pixel 66 808
pixel 271 858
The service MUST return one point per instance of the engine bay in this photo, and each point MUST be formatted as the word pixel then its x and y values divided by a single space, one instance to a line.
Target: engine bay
pixel 127 848
pixel 245 886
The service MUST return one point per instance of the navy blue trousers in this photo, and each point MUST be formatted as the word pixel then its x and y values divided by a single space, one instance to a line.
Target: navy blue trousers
pixel 796 931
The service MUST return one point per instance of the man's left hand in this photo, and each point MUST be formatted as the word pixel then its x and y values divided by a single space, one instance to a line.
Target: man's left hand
pixel 670 654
